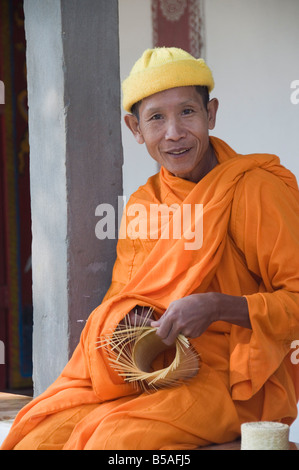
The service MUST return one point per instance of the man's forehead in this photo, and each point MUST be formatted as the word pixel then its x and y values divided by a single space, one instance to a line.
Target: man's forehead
pixel 174 96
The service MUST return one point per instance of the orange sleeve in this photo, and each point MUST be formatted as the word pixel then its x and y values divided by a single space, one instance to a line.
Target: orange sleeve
pixel 266 229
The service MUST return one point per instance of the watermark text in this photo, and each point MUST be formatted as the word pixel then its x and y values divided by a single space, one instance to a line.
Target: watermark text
pixel 152 222
pixel 2 93
pixel 295 354
pixel 295 94
pixel 2 353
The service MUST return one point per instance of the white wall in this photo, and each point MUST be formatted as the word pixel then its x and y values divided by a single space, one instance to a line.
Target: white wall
pixel 135 32
pixel 252 48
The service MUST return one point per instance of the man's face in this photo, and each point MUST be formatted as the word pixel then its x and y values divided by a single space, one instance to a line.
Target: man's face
pixel 174 125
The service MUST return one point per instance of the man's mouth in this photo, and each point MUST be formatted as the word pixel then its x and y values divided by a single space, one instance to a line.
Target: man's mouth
pixel 178 152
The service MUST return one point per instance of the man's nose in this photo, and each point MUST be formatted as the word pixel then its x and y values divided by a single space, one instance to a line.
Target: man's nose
pixel 174 130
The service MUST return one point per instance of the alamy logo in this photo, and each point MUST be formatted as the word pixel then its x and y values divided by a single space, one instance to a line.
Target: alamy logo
pixel 152 222
pixel 295 93
pixel 2 353
pixel 2 93
pixel 295 354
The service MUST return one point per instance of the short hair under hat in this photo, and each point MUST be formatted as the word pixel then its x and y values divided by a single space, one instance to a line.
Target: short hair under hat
pixel 162 68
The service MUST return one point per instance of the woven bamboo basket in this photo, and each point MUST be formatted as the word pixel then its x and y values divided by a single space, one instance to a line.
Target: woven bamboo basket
pixel 133 349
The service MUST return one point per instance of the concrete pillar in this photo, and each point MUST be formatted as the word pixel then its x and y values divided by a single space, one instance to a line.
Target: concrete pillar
pixel 75 164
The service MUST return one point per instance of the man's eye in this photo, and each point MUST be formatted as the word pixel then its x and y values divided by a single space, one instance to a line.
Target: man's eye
pixel 187 111
pixel 156 117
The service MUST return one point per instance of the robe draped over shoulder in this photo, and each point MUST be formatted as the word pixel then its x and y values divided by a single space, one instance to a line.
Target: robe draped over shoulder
pixel 248 245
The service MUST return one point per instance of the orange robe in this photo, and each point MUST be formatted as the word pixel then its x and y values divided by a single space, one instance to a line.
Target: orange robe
pixel 250 248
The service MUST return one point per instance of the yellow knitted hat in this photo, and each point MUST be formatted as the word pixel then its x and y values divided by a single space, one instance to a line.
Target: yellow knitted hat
pixel 163 68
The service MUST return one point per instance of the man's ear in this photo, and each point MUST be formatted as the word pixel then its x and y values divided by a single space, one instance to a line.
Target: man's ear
pixel 212 112
pixel 133 124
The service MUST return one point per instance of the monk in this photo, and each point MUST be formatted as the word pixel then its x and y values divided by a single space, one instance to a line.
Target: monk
pixel 232 290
